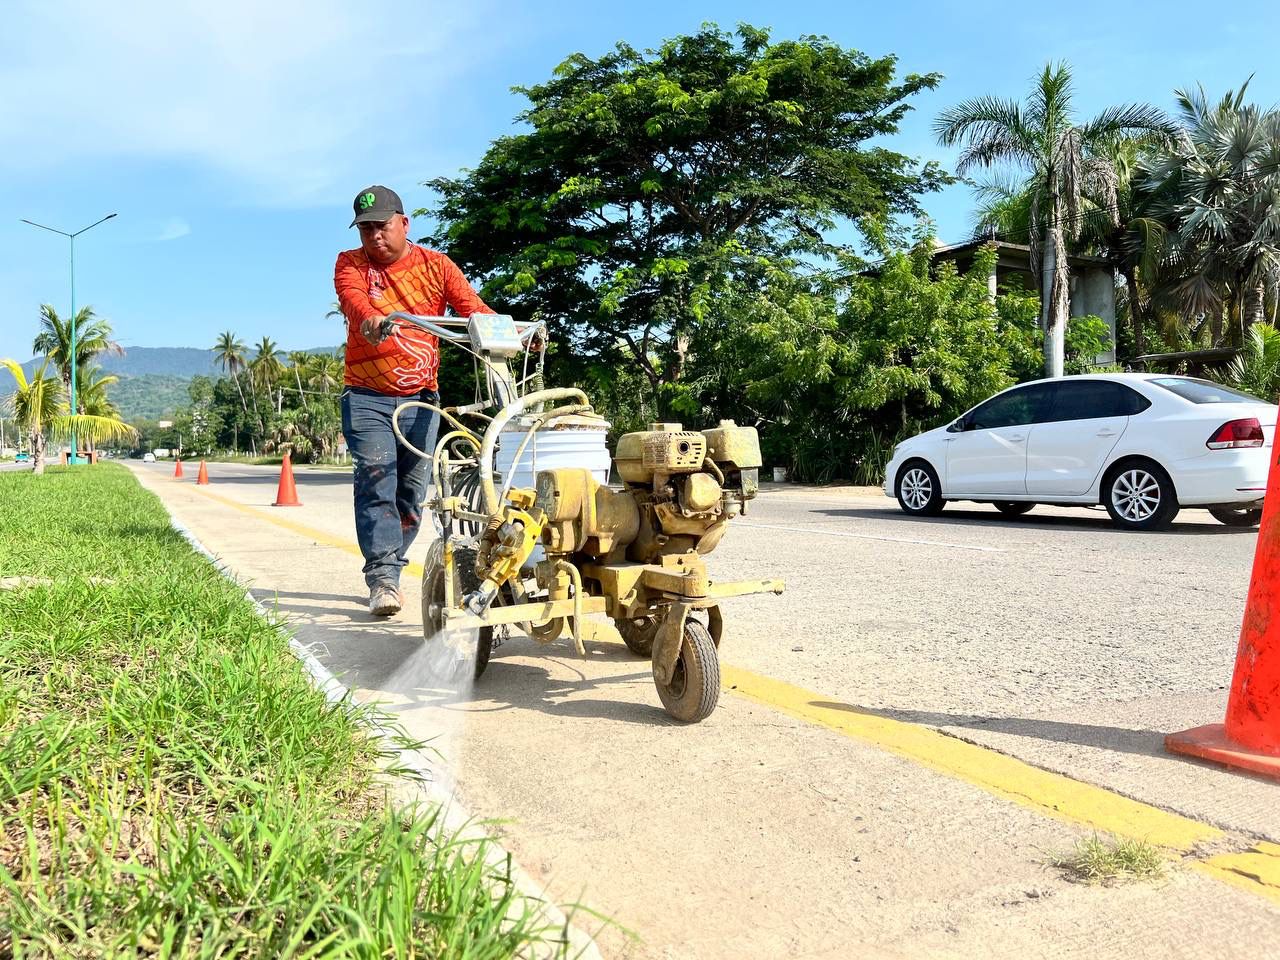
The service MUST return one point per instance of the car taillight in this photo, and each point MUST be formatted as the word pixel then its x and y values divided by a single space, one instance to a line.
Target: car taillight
pixel 1236 434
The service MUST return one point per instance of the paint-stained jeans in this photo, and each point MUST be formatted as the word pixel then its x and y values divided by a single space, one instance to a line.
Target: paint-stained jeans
pixel 390 482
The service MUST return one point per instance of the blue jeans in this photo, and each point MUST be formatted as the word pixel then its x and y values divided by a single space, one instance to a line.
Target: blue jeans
pixel 390 482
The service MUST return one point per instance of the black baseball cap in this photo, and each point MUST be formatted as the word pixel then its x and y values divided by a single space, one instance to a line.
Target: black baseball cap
pixel 376 204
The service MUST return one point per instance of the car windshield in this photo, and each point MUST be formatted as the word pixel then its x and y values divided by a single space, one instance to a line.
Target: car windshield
pixel 1203 391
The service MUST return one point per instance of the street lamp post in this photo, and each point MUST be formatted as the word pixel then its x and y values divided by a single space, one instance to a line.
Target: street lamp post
pixel 72 237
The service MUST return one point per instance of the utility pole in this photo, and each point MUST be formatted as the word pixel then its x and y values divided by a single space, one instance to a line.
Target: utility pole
pixel 73 458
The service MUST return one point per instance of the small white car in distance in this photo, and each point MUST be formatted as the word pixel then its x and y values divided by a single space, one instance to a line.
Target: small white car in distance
pixel 1142 445
pixel 148 457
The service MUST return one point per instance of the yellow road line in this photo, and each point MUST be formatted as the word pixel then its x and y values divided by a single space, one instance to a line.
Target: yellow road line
pixel 994 772
pixel 311 533
pixel 1256 870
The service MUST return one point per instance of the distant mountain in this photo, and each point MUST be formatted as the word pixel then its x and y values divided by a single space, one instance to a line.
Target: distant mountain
pixel 143 361
pixel 186 362
pixel 150 396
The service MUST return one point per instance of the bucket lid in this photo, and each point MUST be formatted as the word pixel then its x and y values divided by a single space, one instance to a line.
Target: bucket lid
pixel 572 422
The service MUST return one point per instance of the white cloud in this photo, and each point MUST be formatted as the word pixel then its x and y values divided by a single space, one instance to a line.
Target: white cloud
pixel 286 99
pixel 173 229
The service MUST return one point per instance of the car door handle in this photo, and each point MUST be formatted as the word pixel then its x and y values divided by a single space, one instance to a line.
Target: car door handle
pixel 1107 433
pixel 1018 438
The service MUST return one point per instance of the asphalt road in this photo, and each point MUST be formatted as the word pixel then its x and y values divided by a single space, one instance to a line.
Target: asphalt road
pixel 1053 638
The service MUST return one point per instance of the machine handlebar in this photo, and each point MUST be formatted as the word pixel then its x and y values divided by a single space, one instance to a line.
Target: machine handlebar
pixel 453 329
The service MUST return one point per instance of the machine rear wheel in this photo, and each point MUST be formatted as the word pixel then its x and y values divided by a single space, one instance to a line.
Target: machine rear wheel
pixel 457 648
pixel 694 689
pixel 638 633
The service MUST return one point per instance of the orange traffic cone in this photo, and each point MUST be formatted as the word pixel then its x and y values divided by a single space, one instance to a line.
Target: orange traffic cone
pixel 202 478
pixel 287 494
pixel 1250 738
pixel 177 469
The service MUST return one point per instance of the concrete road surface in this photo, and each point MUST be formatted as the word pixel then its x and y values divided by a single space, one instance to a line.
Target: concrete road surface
pixel 906 738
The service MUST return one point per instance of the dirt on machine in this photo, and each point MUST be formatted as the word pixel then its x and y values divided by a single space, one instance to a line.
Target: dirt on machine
pixel 552 548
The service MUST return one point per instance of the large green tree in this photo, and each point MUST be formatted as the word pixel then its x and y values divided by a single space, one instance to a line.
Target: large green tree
pixel 1067 167
pixel 644 179
pixel 834 370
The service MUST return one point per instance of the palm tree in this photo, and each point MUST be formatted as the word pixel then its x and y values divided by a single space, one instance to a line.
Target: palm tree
pixel 1067 167
pixel 33 406
pixel 1256 369
pixel 95 401
pixel 38 406
pixel 1002 207
pixel 1130 238
pixel 92 398
pixel 229 352
pixel 266 368
pixel 1218 202
pixel 93 337
pixel 325 372
pixel 298 361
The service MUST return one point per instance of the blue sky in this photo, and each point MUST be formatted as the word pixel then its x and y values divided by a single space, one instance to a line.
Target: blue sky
pixel 230 137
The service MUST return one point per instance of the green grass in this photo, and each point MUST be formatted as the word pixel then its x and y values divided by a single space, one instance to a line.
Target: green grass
pixel 1095 861
pixel 170 782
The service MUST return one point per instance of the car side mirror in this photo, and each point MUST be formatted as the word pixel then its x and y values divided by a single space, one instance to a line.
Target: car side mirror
pixel 959 426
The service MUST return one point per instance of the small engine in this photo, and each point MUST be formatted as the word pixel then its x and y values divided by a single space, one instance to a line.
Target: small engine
pixel 681 489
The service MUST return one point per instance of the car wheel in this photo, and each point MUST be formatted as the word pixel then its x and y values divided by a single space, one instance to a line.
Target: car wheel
pixel 919 492
pixel 1139 496
pixel 1014 508
pixel 1237 516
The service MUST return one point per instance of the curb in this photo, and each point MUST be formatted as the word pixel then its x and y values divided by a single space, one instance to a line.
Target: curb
pixel 574 942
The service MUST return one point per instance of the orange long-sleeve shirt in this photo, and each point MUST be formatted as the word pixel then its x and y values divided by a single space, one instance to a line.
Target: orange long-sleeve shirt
pixel 422 282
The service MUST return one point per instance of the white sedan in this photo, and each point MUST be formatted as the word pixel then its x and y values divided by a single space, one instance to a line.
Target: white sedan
pixel 1143 445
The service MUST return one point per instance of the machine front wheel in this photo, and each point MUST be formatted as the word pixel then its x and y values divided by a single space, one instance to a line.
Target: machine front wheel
pixel 694 689
pixel 451 652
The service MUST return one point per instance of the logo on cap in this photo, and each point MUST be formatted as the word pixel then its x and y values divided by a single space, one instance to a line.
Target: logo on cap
pixel 367 200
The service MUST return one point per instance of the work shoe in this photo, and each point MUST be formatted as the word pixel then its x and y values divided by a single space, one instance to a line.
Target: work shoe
pixel 385 600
